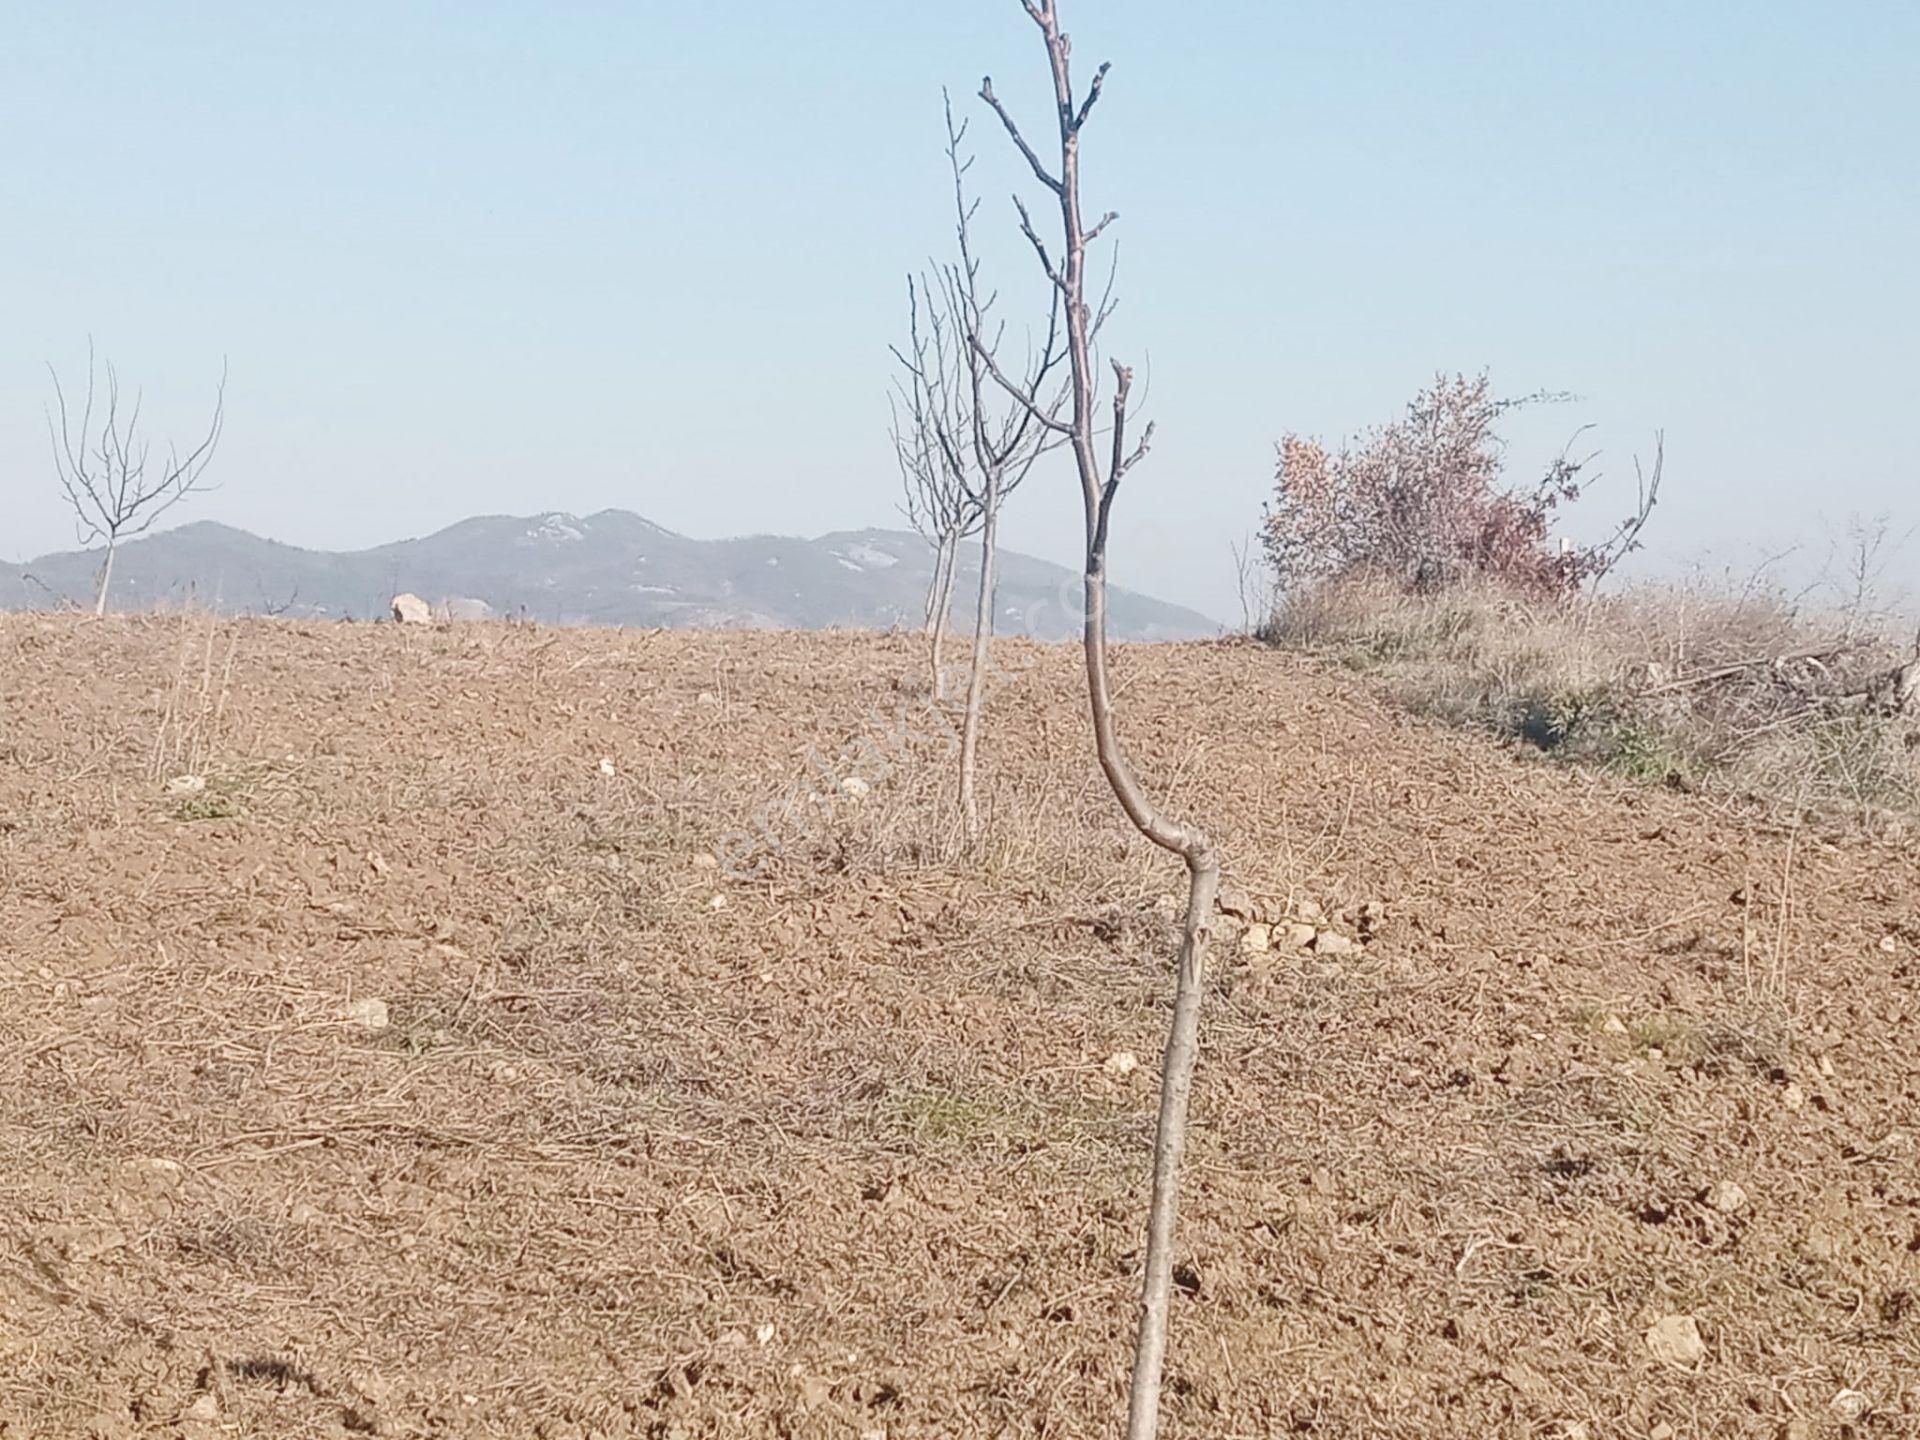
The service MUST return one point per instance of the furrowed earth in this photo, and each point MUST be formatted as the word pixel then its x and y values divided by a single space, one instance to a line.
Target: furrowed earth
pixel 386 1047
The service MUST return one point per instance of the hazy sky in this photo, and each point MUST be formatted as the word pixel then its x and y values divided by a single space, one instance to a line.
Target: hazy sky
pixel 516 257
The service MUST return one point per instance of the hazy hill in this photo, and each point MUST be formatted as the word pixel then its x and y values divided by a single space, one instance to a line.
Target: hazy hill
pixel 613 568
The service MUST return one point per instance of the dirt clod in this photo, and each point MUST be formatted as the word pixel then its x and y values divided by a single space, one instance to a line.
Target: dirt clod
pixel 1850 1406
pixel 1676 1340
pixel 1727 1197
pixel 204 1408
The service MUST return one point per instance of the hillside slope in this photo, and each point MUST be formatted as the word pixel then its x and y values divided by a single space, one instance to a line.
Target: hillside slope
pixel 387 1051
pixel 614 568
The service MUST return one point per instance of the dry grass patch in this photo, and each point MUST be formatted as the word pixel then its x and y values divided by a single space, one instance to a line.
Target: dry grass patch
pixel 1741 694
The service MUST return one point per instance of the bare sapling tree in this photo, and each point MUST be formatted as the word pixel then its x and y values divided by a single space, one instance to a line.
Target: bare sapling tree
pixel 937 501
pixel 1004 437
pixel 106 466
pixel 1102 462
pixel 1254 582
pixel 968 445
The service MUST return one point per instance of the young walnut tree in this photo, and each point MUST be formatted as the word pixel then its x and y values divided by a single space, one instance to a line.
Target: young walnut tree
pixel 937 504
pixel 965 445
pixel 112 483
pixel 1102 461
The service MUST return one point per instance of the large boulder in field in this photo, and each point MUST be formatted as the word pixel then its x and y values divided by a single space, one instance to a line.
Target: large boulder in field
pixel 410 609
pixel 462 607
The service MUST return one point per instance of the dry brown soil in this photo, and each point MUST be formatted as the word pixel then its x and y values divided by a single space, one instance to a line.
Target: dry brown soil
pixel 642 1150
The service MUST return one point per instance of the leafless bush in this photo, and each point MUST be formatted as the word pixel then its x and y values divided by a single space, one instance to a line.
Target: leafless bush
pixel 1422 502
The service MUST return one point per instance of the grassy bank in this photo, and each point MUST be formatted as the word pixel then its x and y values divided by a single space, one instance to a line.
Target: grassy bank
pixel 1742 693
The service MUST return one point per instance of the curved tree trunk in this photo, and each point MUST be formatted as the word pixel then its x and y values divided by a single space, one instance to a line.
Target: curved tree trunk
pixel 1099 484
pixel 1183 1033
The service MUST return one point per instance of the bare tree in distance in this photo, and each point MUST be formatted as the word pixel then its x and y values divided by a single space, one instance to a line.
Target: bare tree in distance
pixel 938 503
pixel 1100 478
pixel 112 484
pixel 987 441
pixel 1254 582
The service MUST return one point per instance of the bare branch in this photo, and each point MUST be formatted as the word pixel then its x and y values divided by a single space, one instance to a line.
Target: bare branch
pixel 1018 392
pixel 1039 245
pixel 1602 558
pixel 1093 95
pixel 1121 461
pixel 1013 130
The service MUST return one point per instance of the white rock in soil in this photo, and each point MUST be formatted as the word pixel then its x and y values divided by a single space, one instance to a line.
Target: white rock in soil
pixel 1122 1063
pixel 1850 1406
pixel 203 1408
pixel 1727 1197
pixel 410 609
pixel 1676 1340
pixel 368 1014
pixel 1332 942
pixel 1256 940
pixel 153 1174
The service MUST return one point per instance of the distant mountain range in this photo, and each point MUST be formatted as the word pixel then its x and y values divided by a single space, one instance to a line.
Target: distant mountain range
pixel 614 568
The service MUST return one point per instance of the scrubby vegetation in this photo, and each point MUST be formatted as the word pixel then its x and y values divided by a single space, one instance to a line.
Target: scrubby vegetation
pixel 1424 502
pixel 1409 555
pixel 1683 685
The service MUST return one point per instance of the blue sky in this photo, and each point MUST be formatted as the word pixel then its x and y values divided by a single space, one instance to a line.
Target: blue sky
pixel 493 257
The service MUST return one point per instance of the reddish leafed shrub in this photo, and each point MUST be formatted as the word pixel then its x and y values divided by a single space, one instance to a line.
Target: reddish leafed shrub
pixel 1422 503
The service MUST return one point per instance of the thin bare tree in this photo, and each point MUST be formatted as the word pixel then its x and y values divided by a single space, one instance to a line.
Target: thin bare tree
pixel 1100 477
pixel 965 446
pixel 1000 440
pixel 1254 582
pixel 112 485
pixel 937 501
